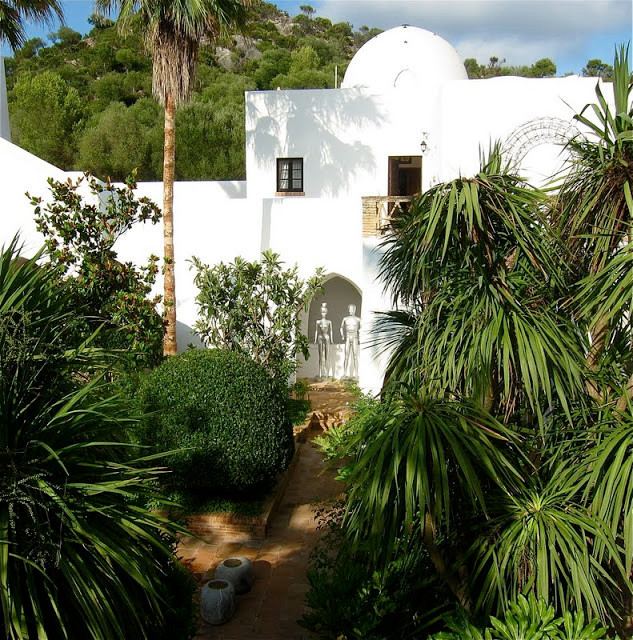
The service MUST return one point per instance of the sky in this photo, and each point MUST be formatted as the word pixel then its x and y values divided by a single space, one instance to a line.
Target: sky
pixel 570 32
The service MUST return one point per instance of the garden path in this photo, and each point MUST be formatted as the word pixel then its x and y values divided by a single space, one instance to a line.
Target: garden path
pixel 277 600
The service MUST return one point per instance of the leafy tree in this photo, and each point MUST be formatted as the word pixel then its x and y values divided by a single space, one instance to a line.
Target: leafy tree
pixel 79 554
pixel 29 49
pixel 123 140
pixel 303 25
pixel 99 21
pixel 214 120
pixel 65 37
pixel 121 87
pixel 303 72
pixel 597 69
pixel 80 238
pixel 255 308
pixel 326 50
pixel 364 35
pixel 174 32
pixel 472 68
pixel 308 10
pixel 275 62
pixel 46 114
pixel 543 68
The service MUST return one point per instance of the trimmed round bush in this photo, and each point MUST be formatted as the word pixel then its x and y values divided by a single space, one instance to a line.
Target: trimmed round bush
pixel 225 415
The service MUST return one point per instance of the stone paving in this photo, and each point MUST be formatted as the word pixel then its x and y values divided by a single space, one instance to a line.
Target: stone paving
pixel 277 600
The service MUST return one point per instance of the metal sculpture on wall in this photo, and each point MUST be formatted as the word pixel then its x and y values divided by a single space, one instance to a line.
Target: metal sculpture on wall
pixel 323 338
pixel 534 133
pixel 350 332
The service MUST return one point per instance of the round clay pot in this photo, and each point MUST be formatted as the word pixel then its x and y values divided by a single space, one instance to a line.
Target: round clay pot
pixel 238 571
pixel 217 601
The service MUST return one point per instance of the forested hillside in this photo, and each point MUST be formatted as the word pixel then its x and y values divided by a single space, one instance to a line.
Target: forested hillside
pixel 85 102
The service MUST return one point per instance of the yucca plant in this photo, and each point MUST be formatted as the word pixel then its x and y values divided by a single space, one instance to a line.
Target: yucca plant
pixel 421 460
pixel 80 555
pixel 543 540
pixel 595 209
pixel 477 275
pixel 503 442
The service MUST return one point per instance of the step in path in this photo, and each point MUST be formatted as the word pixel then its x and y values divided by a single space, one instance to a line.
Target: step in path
pixel 277 600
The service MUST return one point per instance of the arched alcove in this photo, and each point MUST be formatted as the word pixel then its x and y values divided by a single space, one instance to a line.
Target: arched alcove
pixel 339 293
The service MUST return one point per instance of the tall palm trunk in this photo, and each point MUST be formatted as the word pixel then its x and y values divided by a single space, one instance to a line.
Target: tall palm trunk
pixel 170 345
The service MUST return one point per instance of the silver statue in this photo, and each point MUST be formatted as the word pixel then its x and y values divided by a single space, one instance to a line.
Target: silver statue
pixel 350 330
pixel 323 339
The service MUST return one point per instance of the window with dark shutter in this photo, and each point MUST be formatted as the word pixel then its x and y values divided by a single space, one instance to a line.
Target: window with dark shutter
pixel 290 175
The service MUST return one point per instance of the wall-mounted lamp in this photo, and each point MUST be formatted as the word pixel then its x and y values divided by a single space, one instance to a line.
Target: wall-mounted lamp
pixel 424 144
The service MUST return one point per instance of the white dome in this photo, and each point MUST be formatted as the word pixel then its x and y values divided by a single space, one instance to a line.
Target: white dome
pixel 404 58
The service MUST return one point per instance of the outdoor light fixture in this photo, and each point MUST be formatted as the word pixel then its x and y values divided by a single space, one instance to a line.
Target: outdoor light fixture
pixel 424 145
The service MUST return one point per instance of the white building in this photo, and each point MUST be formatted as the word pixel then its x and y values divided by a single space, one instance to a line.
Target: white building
pixel 322 164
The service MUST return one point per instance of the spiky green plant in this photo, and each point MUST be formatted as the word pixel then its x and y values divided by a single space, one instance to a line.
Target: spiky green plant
pixel 477 272
pixel 80 556
pixel 595 209
pixel 410 455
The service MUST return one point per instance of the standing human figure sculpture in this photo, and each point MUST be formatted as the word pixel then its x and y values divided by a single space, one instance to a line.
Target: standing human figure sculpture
pixel 323 338
pixel 350 332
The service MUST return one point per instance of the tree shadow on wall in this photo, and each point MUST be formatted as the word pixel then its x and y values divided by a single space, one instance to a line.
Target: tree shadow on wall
pixel 306 123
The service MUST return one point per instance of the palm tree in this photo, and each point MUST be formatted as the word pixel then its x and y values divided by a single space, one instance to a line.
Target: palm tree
pixel 487 443
pixel 175 30
pixel 14 13
pixel 477 282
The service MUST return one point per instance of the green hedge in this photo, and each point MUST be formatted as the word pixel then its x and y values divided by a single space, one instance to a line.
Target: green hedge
pixel 225 414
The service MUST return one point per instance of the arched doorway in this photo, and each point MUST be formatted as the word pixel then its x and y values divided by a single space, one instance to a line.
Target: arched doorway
pixel 339 293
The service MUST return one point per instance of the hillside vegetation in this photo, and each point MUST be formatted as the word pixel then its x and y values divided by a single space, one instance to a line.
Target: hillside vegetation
pixel 85 102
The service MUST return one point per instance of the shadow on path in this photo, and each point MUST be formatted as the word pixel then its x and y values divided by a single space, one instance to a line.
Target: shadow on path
pixel 277 600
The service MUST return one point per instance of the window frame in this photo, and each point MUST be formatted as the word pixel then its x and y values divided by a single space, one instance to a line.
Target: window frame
pixel 290 191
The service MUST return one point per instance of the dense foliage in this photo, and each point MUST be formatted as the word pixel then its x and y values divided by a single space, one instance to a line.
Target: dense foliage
pixel 100 115
pixel 226 416
pixel 525 619
pixel 543 68
pixel 255 308
pixel 101 118
pixel 80 233
pixel 80 557
pixel 501 449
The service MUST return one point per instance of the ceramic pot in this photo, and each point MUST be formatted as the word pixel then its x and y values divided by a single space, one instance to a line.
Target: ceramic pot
pixel 238 571
pixel 217 601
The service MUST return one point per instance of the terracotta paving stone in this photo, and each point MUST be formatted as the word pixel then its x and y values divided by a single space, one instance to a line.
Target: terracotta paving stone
pixel 277 600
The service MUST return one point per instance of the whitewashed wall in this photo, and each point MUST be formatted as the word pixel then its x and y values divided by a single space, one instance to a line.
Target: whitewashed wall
pixel 476 112
pixel 345 137
pixel 212 221
pixel 21 171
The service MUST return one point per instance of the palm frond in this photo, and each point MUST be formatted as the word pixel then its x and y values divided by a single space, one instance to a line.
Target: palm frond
pixel 411 454
pixel 543 542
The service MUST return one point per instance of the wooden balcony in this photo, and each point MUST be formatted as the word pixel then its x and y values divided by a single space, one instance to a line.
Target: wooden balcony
pixel 377 211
